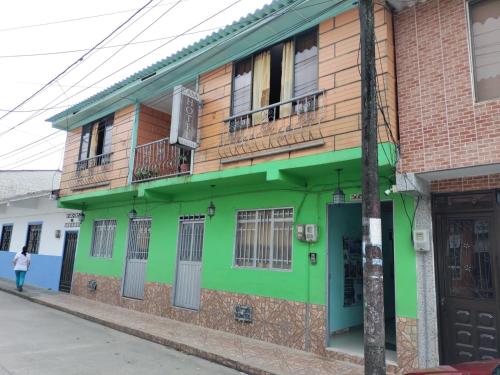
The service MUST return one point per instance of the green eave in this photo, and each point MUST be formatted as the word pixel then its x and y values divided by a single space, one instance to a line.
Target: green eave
pixel 288 173
pixel 267 26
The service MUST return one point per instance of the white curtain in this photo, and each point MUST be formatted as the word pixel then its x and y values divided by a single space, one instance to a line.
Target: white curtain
pixel 93 141
pixel 261 85
pixel 287 78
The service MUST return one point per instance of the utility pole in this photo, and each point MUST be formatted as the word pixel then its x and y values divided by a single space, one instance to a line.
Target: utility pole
pixel 373 275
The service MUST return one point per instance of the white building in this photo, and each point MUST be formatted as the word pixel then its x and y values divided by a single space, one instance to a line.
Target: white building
pixel 29 216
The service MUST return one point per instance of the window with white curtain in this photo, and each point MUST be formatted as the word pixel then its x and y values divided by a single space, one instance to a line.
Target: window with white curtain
pixel 103 238
pixel 264 238
pixel 286 70
pixel 485 40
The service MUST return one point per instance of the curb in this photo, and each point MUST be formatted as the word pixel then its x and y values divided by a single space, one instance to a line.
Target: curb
pixel 184 348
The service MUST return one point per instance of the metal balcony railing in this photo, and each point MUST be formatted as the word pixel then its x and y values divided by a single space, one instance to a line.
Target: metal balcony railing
pixel 160 159
pixel 283 125
pixel 92 171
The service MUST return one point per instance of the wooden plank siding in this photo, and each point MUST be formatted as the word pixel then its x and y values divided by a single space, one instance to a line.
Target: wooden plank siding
pixel 338 76
pixel 117 174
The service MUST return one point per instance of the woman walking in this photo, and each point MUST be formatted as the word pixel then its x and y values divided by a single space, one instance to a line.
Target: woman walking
pixel 21 262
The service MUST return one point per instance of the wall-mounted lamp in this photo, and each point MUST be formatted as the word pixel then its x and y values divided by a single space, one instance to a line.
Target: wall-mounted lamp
pixel 211 206
pixel 132 214
pixel 81 215
pixel 338 196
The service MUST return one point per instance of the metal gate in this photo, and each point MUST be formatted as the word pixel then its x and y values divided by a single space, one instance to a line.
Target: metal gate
pixel 68 261
pixel 137 258
pixel 189 253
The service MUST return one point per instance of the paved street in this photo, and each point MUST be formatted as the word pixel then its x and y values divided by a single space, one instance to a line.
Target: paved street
pixel 38 340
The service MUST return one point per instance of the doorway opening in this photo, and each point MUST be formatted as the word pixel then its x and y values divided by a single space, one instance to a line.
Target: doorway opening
pixel 345 296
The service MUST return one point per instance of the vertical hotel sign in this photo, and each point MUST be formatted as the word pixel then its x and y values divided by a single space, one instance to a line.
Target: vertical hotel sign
pixel 185 105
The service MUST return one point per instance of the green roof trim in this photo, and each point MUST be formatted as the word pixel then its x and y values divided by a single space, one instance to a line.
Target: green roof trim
pixel 272 23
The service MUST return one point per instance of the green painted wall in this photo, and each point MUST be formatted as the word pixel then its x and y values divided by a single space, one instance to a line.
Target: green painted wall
pixel 404 259
pixel 304 283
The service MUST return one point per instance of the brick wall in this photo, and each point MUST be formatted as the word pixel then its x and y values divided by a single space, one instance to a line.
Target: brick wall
pixel 101 177
pixel 153 125
pixel 440 124
pixel 338 76
pixel 464 184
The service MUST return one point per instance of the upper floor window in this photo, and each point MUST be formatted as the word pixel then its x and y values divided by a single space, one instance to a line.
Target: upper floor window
pixel 278 74
pixel 485 37
pixel 96 142
pixel 6 236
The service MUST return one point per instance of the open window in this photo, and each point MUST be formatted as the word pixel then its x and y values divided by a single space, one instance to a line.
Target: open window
pixel 484 35
pixel 95 145
pixel 272 78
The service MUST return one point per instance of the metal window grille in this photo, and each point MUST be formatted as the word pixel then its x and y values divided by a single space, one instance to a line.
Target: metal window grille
pixel 6 236
pixel 191 238
pixel 264 238
pixel 140 231
pixel 33 238
pixel 103 238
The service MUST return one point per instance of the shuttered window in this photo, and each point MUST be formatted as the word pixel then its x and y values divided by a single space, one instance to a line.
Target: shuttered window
pixel 264 238
pixel 103 238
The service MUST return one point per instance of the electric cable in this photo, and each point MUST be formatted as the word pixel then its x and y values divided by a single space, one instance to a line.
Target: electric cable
pixel 75 62
pixel 278 36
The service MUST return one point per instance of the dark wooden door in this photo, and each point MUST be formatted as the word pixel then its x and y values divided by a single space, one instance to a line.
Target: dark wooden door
pixel 467 260
pixel 68 261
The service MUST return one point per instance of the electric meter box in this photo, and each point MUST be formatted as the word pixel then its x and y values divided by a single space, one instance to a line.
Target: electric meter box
pixel 421 240
pixel 301 235
pixel 311 232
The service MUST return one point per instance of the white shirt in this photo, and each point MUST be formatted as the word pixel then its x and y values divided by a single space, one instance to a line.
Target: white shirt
pixel 21 262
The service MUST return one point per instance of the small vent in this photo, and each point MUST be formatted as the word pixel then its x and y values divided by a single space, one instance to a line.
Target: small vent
pixel 148 76
pixel 92 285
pixel 243 313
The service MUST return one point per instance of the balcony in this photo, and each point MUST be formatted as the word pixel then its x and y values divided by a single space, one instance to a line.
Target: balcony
pixel 281 127
pixel 160 159
pixel 92 172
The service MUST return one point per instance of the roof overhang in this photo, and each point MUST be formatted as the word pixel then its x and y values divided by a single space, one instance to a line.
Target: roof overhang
pixel 401 4
pixel 242 39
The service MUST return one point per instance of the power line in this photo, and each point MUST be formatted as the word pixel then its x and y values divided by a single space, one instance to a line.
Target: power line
pixel 100 48
pixel 277 37
pixel 123 67
pixel 15 152
pixel 93 70
pixel 73 19
pixel 77 61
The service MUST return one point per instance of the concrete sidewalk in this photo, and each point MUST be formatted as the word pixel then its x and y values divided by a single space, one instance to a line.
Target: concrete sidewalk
pixel 241 353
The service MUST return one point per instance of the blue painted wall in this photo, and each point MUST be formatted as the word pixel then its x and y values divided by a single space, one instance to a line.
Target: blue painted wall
pixel 45 270
pixel 345 220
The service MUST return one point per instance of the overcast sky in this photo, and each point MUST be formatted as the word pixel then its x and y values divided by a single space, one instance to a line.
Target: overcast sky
pixel 22 75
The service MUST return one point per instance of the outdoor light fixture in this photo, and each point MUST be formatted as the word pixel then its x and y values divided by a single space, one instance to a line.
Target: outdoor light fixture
pixel 338 196
pixel 132 214
pixel 211 206
pixel 81 215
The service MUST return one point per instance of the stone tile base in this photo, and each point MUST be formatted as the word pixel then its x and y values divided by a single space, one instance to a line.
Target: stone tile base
pixel 406 342
pixel 282 322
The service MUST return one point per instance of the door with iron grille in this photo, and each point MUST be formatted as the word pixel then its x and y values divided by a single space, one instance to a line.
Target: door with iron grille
pixel 68 261
pixel 189 254
pixel 467 259
pixel 137 258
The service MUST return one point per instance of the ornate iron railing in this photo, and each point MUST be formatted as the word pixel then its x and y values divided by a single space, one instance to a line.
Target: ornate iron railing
pixel 92 171
pixel 291 122
pixel 160 159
